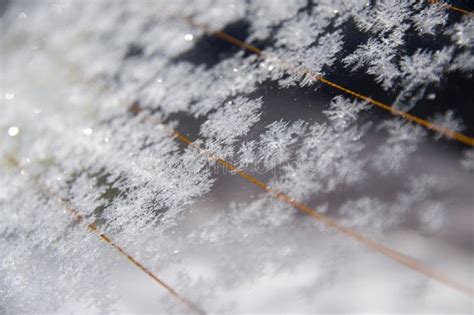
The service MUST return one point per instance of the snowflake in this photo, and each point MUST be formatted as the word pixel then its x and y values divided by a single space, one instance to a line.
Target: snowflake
pixel 342 112
pixel 403 140
pixel 430 19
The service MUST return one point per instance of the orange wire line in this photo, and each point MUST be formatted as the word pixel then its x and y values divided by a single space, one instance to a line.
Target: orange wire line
pixel 451 7
pixel 329 222
pixel 78 217
pixel 423 122
pixel 395 255
pixel 288 66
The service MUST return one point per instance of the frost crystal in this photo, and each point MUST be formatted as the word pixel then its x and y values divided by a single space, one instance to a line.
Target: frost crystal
pixel 234 150
pixel 430 19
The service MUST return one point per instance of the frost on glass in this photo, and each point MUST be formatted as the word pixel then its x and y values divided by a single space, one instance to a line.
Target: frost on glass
pixel 137 116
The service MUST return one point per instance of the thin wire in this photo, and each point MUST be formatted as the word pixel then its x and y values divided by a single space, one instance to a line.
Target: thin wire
pixel 395 255
pixel 79 218
pixel 317 77
pixel 451 7
pixel 384 250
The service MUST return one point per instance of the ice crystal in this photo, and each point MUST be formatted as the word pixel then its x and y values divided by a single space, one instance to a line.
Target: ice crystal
pixel 201 156
pixel 430 19
pixel 403 140
pixel 419 70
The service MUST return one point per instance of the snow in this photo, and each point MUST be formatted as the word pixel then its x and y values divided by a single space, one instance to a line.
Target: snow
pixel 91 92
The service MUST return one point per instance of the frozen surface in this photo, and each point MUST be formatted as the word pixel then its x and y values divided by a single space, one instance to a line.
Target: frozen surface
pixel 89 90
